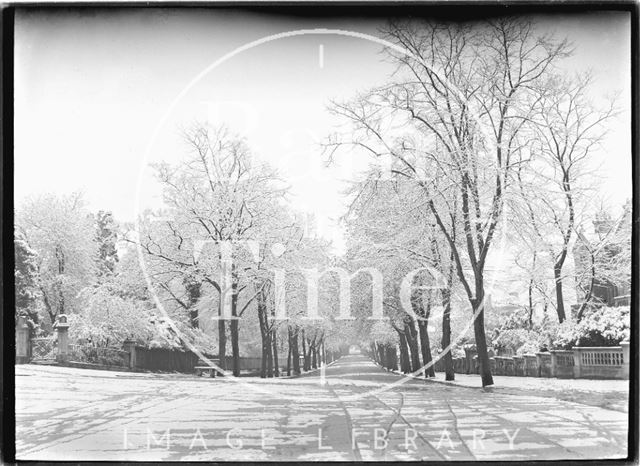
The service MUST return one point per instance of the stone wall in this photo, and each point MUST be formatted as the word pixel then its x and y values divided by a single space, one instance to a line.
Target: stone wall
pixel 579 362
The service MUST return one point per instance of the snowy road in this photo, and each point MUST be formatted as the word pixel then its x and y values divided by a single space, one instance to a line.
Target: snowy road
pixel 346 412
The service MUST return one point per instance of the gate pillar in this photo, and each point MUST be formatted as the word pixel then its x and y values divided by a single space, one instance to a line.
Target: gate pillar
pixel 22 341
pixel 62 330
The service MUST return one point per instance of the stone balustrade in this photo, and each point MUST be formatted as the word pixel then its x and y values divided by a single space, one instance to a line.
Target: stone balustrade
pixel 611 362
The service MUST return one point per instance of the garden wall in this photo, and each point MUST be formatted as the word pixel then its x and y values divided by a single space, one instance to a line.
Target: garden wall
pixel 611 362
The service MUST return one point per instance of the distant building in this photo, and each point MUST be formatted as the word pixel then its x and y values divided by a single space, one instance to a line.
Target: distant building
pixel 605 291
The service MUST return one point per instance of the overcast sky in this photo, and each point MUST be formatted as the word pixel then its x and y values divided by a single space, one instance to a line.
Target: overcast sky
pixel 91 88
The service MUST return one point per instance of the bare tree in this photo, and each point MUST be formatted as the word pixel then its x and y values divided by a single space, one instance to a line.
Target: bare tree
pixel 217 195
pixel 567 129
pixel 451 121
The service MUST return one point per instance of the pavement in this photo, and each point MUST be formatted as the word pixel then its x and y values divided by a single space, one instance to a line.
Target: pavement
pixel 348 410
pixel 610 394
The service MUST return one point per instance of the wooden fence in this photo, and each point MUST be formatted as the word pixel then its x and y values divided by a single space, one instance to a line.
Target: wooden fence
pixel 252 363
pixel 160 359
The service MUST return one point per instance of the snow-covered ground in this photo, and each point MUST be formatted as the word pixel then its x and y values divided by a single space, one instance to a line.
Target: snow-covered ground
pixel 350 410
pixel 611 394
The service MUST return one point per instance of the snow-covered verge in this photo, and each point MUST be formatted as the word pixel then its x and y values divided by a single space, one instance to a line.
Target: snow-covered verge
pixel 609 394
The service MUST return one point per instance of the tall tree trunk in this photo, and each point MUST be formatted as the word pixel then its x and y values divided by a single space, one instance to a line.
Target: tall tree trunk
pixel 235 343
pixel 557 274
pixel 222 337
pixel 589 294
pixel 296 352
pixel 449 373
pixel 269 357
pixel 193 289
pixel 264 333
pixel 405 363
pixel 412 341
pixel 289 350
pixel 274 343
pixel 422 307
pixel 47 304
pixel 481 339
pixel 309 352
pixel 530 292
pixel 235 347
pixel 263 359
pixel 314 352
pixel 476 300
pixel 425 346
pixel 305 363
pixel 392 357
pixel 557 267
pixel 530 308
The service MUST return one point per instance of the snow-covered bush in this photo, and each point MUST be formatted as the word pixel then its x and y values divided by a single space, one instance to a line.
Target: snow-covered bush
pixel 605 326
pixel 520 340
pixel 185 339
pixel 106 319
pixel 516 334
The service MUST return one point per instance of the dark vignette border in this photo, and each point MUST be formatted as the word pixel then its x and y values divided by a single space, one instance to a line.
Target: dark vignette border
pixel 440 9
pixel 7 296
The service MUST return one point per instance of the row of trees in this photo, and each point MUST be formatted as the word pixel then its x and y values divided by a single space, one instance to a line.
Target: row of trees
pixel 482 148
pixel 482 138
pixel 226 246
pixel 220 268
